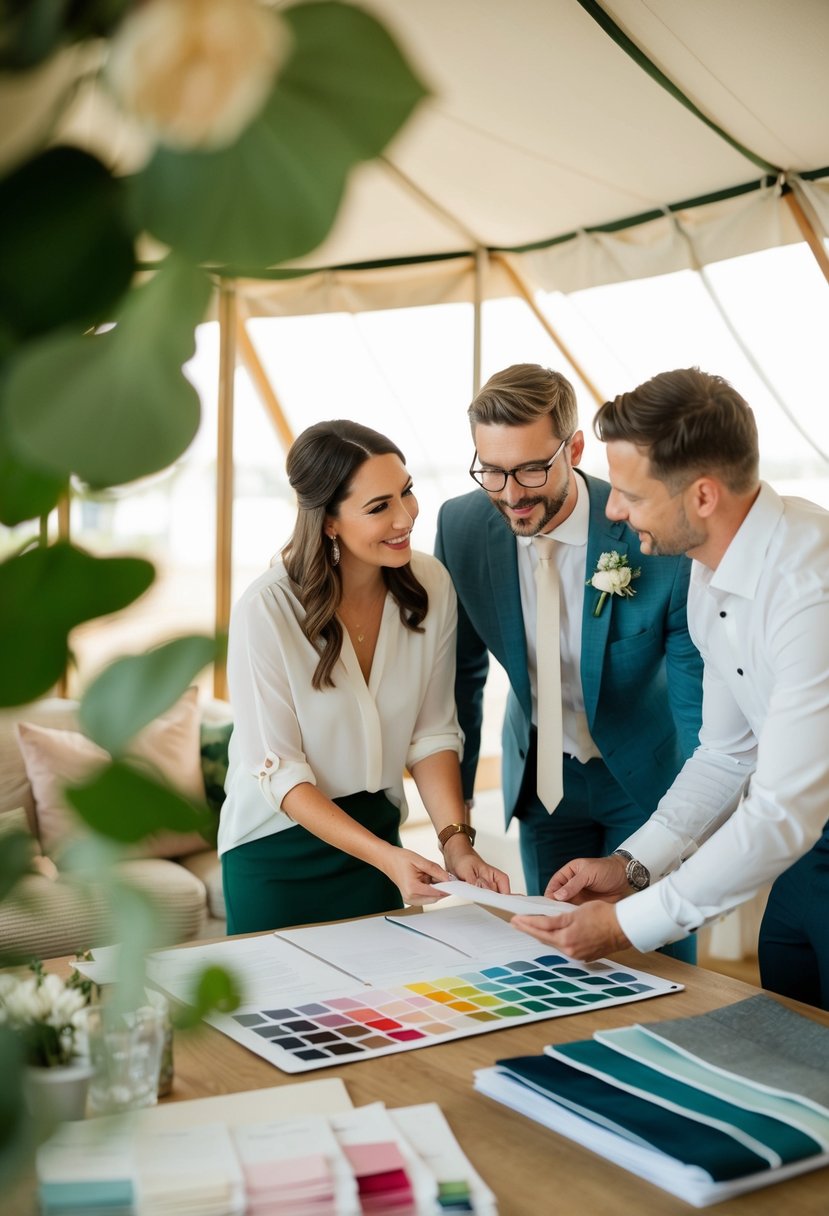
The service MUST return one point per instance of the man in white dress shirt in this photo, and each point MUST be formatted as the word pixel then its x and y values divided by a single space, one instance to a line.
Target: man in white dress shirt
pixel 751 804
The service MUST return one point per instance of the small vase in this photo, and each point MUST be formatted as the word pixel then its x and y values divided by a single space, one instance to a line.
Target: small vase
pixel 55 1095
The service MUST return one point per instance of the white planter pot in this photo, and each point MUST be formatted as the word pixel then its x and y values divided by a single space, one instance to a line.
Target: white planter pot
pixel 55 1095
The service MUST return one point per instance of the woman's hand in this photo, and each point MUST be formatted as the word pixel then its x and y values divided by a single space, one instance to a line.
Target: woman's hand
pixel 414 875
pixel 466 865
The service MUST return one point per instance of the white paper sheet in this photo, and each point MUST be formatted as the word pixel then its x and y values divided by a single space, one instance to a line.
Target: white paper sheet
pixel 468 929
pixel 525 905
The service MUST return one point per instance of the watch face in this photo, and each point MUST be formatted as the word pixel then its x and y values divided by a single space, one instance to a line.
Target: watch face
pixel 637 875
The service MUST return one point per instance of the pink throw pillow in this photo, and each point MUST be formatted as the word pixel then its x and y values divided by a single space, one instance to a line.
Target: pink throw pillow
pixel 168 749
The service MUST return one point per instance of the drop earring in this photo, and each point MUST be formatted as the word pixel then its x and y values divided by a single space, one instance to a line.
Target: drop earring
pixel 335 551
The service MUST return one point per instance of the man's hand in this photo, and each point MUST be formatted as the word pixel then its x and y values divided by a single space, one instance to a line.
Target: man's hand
pixel 588 933
pixel 589 878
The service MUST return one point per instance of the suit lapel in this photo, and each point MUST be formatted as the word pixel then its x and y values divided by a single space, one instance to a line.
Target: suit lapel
pixel 501 553
pixel 601 538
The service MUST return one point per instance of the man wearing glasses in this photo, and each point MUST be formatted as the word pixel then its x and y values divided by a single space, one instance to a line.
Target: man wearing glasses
pixel 630 677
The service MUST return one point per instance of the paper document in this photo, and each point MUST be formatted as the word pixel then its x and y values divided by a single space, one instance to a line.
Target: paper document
pixel 524 905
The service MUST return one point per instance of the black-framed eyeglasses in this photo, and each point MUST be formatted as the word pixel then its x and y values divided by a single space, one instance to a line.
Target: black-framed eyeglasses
pixel 530 475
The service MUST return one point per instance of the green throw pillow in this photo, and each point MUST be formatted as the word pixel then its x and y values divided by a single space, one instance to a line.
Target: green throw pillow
pixel 214 743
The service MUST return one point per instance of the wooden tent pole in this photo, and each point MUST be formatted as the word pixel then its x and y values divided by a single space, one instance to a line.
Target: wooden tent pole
pixel 807 231
pixel 525 291
pixel 224 472
pixel 263 386
pixel 478 302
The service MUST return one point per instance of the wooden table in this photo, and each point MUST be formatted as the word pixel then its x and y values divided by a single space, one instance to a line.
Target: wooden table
pixel 532 1171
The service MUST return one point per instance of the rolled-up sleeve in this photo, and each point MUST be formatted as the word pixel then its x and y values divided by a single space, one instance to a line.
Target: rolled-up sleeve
pixel 436 727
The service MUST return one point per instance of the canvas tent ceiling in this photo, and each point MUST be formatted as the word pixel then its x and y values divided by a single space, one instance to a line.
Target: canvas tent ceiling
pixel 589 132
pixel 542 128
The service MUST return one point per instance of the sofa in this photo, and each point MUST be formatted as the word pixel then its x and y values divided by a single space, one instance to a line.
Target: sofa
pixel 50 912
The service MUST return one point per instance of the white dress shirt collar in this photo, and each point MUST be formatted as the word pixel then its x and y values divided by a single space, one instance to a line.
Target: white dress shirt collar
pixel 743 561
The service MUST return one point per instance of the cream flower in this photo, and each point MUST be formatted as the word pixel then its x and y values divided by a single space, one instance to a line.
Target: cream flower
pixel 197 71
pixel 613 577
pixel 612 581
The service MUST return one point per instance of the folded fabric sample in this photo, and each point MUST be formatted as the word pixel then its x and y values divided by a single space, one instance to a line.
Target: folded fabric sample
pixel 635 1118
pixel 641 1044
pixel 764 1135
pixel 761 1040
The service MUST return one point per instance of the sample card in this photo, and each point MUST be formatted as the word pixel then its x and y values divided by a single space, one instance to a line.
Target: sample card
pixel 326 995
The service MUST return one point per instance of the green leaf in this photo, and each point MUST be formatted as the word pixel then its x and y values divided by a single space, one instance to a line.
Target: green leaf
pixel 274 194
pixel 115 406
pixel 44 594
pixel 67 263
pixel 34 29
pixel 15 860
pixel 215 990
pixel 126 805
pixel 134 690
pixel 24 492
pixel 16 1128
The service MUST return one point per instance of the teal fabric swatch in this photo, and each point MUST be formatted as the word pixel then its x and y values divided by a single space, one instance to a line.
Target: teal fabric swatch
pixel 640 1044
pixel 683 1139
pixel 778 1142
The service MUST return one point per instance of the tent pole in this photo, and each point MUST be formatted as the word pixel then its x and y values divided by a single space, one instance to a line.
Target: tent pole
pixel 808 232
pixel 224 473
pixel 480 275
pixel 524 291
pixel 263 386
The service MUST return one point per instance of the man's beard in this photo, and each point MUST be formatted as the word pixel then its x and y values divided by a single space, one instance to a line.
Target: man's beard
pixel 682 539
pixel 527 527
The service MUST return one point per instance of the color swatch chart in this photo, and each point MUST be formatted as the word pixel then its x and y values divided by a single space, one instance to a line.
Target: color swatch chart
pixel 325 995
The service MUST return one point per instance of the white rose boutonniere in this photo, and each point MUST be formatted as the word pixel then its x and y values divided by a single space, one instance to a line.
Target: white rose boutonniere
pixel 613 577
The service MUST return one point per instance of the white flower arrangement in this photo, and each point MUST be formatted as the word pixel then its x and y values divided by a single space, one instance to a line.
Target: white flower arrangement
pixel 46 1012
pixel 613 576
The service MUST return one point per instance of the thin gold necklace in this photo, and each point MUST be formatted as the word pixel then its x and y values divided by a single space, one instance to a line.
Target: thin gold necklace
pixel 361 629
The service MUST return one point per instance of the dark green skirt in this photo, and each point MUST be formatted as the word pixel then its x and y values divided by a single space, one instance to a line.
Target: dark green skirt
pixel 294 878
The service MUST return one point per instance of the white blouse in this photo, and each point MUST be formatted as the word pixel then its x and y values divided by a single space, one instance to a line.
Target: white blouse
pixel 352 737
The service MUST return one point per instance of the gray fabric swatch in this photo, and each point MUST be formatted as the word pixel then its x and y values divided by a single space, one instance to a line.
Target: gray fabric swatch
pixel 761 1040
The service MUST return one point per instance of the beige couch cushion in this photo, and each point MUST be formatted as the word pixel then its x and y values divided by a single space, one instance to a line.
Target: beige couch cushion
pixel 168 747
pixel 15 790
pixel 45 919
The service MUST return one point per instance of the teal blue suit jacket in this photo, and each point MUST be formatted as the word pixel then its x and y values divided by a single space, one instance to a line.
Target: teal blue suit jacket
pixel 641 673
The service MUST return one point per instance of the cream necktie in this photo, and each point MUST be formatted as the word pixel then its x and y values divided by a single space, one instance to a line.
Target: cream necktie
pixel 548 675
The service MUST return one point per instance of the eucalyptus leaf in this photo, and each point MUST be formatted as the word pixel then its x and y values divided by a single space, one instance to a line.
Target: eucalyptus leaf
pixel 62 262
pixel 134 690
pixel 16 1127
pixel 274 194
pixel 126 805
pixel 24 492
pixel 44 594
pixel 15 860
pixel 35 29
pixel 137 926
pixel 114 406
pixel 216 990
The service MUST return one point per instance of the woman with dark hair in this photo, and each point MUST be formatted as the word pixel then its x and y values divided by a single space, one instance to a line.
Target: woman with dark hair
pixel 341 665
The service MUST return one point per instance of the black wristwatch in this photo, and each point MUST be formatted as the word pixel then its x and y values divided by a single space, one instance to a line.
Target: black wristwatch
pixel 637 874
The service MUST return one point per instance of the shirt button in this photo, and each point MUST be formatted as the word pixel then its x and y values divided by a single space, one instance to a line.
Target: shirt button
pixel 739 671
pixel 723 614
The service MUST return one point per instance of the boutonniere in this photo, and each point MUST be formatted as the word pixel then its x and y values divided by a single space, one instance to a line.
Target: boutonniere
pixel 613 577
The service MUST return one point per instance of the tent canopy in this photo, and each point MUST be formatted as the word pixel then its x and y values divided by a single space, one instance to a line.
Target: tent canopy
pixel 594 143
